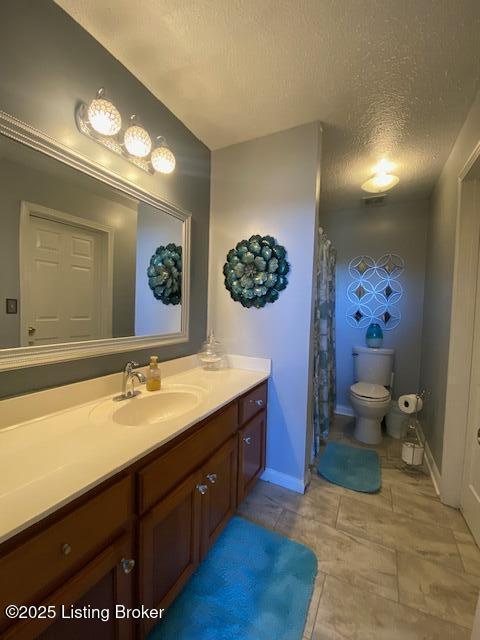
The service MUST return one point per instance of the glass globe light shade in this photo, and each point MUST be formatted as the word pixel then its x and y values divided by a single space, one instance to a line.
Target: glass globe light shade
pixel 380 182
pixel 163 159
pixel 104 117
pixel 137 141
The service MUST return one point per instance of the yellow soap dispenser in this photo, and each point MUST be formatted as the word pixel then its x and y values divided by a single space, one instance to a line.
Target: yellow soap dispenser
pixel 154 381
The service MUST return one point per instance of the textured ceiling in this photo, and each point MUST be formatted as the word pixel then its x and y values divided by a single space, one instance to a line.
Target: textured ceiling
pixel 387 78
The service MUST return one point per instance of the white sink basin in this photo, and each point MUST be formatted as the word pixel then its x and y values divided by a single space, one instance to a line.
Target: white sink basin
pixel 149 408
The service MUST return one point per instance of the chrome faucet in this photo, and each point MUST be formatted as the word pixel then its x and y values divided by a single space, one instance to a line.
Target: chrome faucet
pixel 128 382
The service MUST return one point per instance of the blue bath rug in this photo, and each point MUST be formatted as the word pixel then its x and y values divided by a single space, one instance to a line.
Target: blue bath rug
pixel 253 585
pixel 351 467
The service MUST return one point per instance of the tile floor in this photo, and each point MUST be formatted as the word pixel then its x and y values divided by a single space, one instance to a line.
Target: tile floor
pixel 397 565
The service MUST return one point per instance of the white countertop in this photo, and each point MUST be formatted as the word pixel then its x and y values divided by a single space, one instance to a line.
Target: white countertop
pixel 52 458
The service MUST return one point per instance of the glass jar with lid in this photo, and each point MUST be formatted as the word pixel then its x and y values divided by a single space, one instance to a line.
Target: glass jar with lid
pixel 211 355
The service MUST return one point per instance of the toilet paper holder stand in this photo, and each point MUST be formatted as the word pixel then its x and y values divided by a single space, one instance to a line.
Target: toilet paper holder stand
pixel 413 446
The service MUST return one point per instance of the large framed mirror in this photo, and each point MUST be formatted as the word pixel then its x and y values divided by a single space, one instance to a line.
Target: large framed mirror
pixel 90 263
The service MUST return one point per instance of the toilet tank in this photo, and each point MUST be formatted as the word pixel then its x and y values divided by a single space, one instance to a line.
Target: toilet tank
pixel 373 365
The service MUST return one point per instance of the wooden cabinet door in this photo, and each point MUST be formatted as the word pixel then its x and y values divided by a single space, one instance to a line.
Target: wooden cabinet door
pixel 219 502
pixel 102 584
pixel 169 538
pixel 251 454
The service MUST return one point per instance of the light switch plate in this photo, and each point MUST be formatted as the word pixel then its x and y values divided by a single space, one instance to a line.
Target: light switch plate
pixel 11 305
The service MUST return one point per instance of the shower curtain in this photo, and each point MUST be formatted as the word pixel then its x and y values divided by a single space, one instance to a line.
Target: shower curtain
pixel 324 390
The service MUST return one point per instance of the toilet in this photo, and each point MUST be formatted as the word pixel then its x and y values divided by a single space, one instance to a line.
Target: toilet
pixel 370 395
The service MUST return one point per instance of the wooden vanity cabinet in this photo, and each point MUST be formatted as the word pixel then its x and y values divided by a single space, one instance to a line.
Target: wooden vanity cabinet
pixel 138 538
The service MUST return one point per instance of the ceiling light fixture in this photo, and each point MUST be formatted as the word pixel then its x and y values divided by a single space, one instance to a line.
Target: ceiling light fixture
pixel 384 166
pixel 103 115
pixel 383 180
pixel 162 158
pixel 101 121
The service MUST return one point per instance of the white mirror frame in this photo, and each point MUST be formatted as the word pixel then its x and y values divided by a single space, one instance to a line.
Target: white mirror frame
pixel 19 357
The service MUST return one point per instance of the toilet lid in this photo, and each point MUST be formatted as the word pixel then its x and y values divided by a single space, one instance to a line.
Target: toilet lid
pixel 368 390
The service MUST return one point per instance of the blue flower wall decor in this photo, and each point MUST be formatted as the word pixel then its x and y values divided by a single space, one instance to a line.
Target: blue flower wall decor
pixel 165 274
pixel 255 271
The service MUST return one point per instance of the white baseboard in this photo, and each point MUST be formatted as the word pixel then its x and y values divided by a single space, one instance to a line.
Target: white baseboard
pixel 431 464
pixel 344 410
pixel 283 480
pixel 432 467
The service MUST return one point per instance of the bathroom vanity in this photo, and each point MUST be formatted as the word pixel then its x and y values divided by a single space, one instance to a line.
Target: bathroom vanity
pixel 103 502
pixel 133 532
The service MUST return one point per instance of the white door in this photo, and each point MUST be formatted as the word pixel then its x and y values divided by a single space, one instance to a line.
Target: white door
pixel 471 478
pixel 64 283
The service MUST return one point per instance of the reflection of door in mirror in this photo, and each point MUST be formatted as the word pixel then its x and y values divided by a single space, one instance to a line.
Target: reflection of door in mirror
pixel 66 278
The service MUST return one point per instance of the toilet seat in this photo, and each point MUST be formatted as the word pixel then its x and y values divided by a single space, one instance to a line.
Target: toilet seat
pixel 370 392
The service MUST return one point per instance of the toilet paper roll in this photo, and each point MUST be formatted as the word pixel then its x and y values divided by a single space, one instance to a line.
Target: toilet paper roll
pixel 410 403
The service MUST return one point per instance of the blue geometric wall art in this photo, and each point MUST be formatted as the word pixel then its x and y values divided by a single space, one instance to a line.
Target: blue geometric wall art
pixel 375 291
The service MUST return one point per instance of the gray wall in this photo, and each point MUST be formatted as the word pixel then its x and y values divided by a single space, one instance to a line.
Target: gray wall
pixel 439 281
pixel 268 186
pixel 48 63
pixel 396 228
pixel 36 178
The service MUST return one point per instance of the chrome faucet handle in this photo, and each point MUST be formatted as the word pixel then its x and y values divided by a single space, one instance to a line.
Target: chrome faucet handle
pixel 131 364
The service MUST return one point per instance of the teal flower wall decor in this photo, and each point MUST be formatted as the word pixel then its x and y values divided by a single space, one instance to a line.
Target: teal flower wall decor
pixel 165 274
pixel 255 271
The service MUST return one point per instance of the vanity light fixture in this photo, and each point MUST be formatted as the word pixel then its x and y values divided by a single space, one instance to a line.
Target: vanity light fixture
pixel 383 180
pixel 101 121
pixel 162 158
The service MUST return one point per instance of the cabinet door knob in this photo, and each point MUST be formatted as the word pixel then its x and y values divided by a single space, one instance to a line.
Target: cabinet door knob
pixel 248 440
pixel 202 488
pixel 212 477
pixel 259 403
pixel 66 549
pixel 127 565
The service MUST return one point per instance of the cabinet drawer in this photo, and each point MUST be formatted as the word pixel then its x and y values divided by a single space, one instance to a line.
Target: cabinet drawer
pixel 30 571
pixel 253 402
pixel 163 474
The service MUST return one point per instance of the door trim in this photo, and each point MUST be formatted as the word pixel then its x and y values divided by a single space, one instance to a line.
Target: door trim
pixel 29 210
pixel 469 503
pixel 462 326
pixel 19 357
